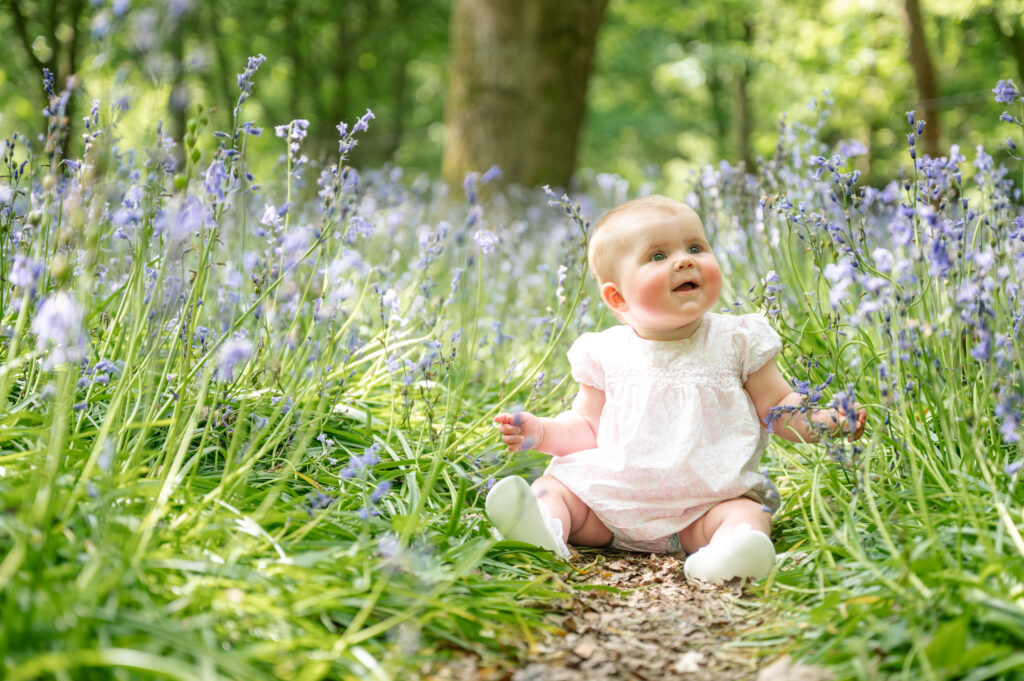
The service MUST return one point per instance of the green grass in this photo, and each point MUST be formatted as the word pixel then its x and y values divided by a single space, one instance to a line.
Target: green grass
pixel 180 520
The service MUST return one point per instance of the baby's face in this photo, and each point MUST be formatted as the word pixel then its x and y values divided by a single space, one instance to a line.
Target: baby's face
pixel 666 276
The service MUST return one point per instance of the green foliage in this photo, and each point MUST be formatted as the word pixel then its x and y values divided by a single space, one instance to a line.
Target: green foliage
pixel 248 444
pixel 665 97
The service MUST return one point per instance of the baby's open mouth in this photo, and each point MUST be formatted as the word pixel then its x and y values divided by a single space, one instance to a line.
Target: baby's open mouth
pixel 685 286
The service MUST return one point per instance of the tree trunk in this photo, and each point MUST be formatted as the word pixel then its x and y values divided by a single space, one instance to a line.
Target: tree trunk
pixel 63 61
pixel 743 117
pixel 927 88
pixel 517 88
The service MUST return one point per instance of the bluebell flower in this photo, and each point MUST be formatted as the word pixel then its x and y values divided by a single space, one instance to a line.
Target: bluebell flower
pixel 107 367
pixel 841 275
pixel 271 216
pixel 469 186
pixel 25 273
pixel 939 256
pixel 215 179
pixel 360 226
pixel 293 132
pixel 485 240
pixel 364 122
pixel 245 79
pixel 48 81
pixel 380 490
pixel 234 352
pixel 851 148
pixel 358 463
pixel 318 501
pixel 492 173
pixel 58 328
pixel 1006 91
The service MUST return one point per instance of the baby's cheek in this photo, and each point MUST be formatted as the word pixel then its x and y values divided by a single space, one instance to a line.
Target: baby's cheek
pixel 713 277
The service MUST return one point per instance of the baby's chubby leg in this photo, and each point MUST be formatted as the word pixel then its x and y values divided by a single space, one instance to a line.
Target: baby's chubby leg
pixel 730 540
pixel 580 525
pixel 722 520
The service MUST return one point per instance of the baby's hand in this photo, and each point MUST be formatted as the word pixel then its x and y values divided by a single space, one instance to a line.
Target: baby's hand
pixel 838 420
pixel 520 431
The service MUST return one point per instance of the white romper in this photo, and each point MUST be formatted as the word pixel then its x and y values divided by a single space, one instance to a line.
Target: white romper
pixel 678 433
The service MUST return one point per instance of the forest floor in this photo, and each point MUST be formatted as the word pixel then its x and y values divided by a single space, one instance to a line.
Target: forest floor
pixel 635 617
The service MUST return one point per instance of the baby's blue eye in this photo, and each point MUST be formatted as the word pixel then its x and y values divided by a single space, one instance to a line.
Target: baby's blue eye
pixel 658 256
pixel 694 250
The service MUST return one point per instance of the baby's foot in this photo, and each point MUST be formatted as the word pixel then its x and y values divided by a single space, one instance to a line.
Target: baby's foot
pixel 517 515
pixel 744 553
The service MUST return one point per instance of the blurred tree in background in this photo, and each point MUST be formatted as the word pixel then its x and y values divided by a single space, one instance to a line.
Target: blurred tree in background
pixel 674 86
pixel 517 87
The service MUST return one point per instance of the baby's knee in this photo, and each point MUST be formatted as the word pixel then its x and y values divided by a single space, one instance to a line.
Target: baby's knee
pixel 551 490
pixel 547 485
pixel 746 510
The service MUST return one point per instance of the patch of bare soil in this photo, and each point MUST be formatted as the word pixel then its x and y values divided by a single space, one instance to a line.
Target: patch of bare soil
pixel 635 617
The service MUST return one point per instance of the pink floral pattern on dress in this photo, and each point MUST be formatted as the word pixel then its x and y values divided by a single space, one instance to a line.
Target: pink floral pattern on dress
pixel 678 433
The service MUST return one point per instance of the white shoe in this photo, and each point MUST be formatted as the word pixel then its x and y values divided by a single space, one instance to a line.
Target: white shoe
pixel 517 515
pixel 744 553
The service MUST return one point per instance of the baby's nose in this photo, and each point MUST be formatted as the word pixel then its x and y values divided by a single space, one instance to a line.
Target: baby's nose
pixel 684 262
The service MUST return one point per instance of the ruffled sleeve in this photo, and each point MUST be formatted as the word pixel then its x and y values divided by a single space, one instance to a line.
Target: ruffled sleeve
pixel 584 363
pixel 756 343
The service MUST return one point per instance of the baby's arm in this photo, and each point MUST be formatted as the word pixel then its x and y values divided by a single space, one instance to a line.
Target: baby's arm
pixel 767 388
pixel 569 432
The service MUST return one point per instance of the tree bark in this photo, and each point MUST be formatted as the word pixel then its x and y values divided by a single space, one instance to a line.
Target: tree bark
pixel 743 116
pixel 924 72
pixel 517 88
pixel 63 61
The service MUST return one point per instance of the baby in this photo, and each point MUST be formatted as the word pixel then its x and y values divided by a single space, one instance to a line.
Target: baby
pixel 659 451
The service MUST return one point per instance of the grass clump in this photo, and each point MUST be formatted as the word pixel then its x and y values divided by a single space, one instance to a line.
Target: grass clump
pixel 245 430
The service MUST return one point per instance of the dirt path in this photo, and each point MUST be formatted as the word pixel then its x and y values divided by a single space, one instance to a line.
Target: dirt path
pixel 658 626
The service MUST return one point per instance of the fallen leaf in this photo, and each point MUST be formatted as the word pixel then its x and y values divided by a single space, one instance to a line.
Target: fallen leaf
pixel 689 663
pixel 584 650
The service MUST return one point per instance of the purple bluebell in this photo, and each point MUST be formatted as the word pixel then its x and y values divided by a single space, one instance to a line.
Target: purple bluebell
pixel 485 240
pixel 234 352
pixel 48 82
pixel 380 490
pixel 245 79
pixel 1006 92
pixel 364 122
pixel 293 132
pixel 469 187
pixel 58 328
pixel 215 180
pixel 492 173
pixel 940 263
pixel 358 463
pixel 26 273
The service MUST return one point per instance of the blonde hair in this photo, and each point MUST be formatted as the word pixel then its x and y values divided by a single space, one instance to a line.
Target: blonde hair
pixel 599 256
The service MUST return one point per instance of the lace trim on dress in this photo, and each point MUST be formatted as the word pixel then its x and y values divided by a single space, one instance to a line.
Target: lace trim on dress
pixel 678 376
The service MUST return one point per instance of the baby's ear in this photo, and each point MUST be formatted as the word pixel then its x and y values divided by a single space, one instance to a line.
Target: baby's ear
pixel 612 297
